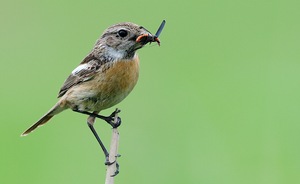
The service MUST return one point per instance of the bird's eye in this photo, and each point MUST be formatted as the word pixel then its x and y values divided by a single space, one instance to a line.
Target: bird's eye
pixel 122 33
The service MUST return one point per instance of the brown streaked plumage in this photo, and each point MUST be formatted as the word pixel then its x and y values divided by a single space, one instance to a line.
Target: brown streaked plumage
pixel 116 82
pixel 106 75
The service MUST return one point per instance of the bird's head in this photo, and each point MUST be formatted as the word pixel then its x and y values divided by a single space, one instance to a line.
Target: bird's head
pixel 123 39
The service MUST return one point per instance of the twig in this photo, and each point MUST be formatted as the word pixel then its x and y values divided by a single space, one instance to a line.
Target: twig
pixel 113 155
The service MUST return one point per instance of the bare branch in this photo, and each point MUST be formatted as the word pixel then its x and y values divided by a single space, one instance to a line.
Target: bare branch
pixel 113 169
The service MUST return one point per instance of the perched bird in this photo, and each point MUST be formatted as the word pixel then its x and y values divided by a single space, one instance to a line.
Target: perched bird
pixel 104 77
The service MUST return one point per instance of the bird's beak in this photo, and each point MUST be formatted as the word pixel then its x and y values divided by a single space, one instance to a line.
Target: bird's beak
pixel 147 38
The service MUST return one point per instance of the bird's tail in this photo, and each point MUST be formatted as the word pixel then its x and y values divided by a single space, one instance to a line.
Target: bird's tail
pixel 53 111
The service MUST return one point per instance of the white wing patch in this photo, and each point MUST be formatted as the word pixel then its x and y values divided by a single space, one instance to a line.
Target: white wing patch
pixel 79 68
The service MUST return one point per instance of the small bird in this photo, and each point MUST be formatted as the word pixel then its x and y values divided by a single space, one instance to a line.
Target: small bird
pixel 104 77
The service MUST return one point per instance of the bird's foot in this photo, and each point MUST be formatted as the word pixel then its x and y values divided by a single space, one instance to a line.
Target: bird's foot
pixel 111 119
pixel 108 163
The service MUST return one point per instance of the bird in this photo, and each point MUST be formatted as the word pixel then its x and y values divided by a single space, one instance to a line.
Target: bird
pixel 104 77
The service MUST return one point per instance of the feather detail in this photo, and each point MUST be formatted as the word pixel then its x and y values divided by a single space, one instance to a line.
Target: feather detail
pixel 57 108
pixel 82 73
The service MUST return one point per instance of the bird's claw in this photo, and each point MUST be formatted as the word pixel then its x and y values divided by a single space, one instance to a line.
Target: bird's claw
pixel 117 170
pixel 111 119
pixel 108 163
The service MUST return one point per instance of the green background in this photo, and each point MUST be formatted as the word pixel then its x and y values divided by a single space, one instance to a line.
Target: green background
pixel 217 103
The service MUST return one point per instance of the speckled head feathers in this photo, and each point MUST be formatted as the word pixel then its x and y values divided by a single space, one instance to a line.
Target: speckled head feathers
pixel 120 40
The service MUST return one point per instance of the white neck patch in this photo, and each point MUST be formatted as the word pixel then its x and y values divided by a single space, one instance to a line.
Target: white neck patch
pixel 115 54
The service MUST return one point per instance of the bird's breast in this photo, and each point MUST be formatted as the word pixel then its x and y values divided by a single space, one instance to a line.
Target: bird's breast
pixel 119 79
pixel 108 87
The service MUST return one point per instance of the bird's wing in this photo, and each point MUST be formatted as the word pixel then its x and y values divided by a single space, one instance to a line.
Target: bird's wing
pixel 84 72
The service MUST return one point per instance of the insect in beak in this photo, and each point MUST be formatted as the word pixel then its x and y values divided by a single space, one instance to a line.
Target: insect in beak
pixel 147 38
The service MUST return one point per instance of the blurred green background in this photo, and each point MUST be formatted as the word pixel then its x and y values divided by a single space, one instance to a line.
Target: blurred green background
pixel 217 103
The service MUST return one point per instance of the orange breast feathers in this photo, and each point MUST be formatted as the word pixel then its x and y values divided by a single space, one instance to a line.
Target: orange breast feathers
pixel 122 76
pixel 107 88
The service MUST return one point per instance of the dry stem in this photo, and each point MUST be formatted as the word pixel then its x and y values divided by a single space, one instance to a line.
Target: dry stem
pixel 113 155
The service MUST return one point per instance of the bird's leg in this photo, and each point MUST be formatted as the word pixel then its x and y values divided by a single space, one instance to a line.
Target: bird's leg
pixel 90 122
pixel 109 119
